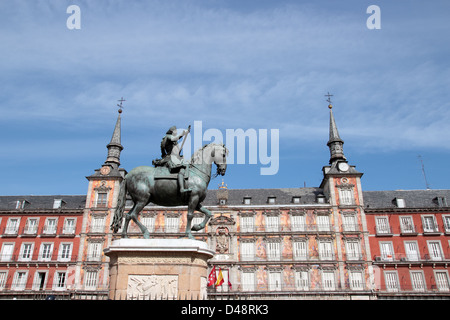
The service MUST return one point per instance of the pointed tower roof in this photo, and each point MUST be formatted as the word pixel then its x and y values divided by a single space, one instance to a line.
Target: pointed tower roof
pixel 335 143
pixel 115 146
pixel 334 133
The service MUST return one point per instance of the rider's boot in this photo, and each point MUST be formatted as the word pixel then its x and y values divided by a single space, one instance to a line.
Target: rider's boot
pixel 181 183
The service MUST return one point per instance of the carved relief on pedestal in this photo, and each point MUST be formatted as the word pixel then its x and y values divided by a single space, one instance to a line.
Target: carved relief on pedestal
pixel 153 286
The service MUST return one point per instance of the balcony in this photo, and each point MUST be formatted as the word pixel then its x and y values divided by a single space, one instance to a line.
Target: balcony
pixel 37 258
pixel 411 258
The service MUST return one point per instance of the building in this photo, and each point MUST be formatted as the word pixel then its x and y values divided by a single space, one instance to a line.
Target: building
pixel 409 239
pixel 334 241
pixel 39 242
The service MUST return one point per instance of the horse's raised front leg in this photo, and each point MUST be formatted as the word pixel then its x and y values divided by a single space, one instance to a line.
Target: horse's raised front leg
pixel 208 215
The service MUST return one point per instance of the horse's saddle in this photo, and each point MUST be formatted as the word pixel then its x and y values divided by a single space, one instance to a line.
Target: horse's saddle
pixel 166 173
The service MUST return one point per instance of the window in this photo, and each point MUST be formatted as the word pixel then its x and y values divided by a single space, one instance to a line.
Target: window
pixel 248 281
pixel 19 281
pixel 406 225
pixel 31 226
pixel 20 204
pixel 271 200
pixel 387 252
pixel 429 224
pixel 298 222
pixel 46 251
pixel 94 251
pixel 323 223
pixel 65 252
pixel 295 199
pixel 3 275
pixel 434 248
pixel 272 223
pixel 382 225
pixel 274 281
pixel 353 250
pixel 346 196
pixel 196 220
pixel 148 222
pixel 90 280
pixel 224 287
pixel 325 250
pixel 7 251
pixel 98 224
pixel 273 250
pixel 172 224
pixel 356 280
pixel 412 251
pixel 102 199
pixel 320 198
pixel 446 223
pixel 300 250
pixel 328 281
pixel 350 222
pixel 400 203
pixel 302 280
pixel 50 226
pixel 69 226
pixel 391 280
pixel 59 281
pixel 26 252
pixel 247 200
pixel 442 202
pixel 12 226
pixel 39 280
pixel 247 223
pixel 57 203
pixel 417 281
pixel 247 251
pixel 442 280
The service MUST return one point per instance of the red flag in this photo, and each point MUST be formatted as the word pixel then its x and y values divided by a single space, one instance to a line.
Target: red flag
pixel 219 278
pixel 212 277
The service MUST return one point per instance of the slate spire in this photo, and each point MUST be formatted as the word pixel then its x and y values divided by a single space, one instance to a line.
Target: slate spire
pixel 335 143
pixel 114 146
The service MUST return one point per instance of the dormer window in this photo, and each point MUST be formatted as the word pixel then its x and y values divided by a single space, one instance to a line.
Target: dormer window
pixel 57 203
pixel 320 198
pixel 295 199
pixel 247 200
pixel 400 202
pixel 222 202
pixel 20 204
pixel 271 200
pixel 442 201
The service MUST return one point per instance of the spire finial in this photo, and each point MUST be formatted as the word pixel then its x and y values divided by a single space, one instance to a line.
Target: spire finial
pixel 329 100
pixel 120 105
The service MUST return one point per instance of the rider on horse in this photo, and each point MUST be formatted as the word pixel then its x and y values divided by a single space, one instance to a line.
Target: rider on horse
pixel 171 157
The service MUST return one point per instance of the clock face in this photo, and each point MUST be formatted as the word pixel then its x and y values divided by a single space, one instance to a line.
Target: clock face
pixel 105 170
pixel 343 166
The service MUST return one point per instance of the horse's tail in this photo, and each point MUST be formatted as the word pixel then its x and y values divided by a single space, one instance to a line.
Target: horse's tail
pixel 121 201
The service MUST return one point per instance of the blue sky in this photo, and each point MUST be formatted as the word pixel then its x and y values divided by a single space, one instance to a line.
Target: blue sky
pixel 230 64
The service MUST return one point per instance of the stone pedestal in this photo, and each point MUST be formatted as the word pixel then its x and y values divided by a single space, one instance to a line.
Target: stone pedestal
pixel 158 269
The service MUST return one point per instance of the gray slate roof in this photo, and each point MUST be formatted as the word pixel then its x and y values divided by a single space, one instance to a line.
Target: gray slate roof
pixel 260 196
pixel 43 202
pixel 413 198
pixel 372 199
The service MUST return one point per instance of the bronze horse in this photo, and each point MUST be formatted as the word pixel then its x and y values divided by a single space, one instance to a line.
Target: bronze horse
pixel 147 184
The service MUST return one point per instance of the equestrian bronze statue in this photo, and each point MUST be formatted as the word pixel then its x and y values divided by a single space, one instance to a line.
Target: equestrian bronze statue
pixel 164 185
